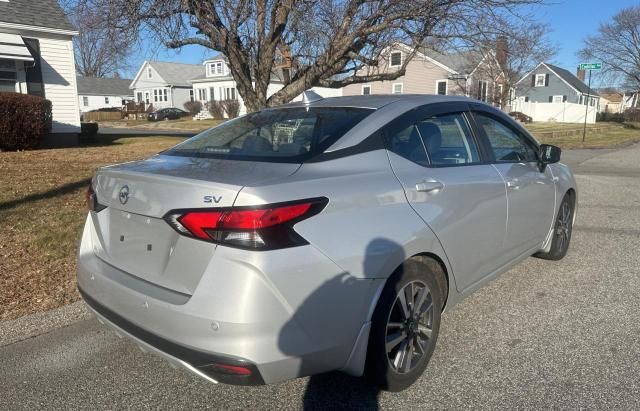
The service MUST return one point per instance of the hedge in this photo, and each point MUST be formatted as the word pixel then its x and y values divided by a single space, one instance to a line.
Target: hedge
pixel 24 121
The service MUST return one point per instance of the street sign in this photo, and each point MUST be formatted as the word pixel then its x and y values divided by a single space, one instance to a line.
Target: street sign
pixel 590 66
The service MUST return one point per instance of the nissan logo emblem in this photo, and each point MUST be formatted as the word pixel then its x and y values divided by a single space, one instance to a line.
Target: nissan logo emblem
pixel 124 195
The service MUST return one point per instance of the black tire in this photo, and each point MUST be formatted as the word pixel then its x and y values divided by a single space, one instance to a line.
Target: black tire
pixel 562 229
pixel 403 364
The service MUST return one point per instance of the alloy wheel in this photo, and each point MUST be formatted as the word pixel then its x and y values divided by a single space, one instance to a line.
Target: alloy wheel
pixel 563 225
pixel 409 327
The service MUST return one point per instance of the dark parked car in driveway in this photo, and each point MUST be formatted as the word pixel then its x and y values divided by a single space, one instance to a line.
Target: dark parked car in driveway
pixel 521 117
pixel 167 114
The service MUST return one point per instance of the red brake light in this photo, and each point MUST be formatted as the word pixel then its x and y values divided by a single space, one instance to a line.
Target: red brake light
pixel 197 222
pixel 263 218
pixel 264 227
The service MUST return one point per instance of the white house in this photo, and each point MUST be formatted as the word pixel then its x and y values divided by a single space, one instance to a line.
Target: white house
pixel 96 93
pixel 36 57
pixel 216 83
pixel 164 84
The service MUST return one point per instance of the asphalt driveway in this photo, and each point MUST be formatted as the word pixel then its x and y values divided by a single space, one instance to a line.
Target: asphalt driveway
pixel 546 334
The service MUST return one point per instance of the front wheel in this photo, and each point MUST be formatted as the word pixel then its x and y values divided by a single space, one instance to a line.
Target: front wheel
pixel 405 327
pixel 561 231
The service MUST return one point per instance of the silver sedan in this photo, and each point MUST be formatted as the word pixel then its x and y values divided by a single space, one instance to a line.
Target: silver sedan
pixel 323 235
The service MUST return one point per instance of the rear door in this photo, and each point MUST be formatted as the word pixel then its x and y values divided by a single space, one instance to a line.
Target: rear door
pixel 441 166
pixel 530 189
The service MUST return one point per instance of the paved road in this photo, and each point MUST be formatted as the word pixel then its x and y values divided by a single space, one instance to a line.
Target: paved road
pixel 546 334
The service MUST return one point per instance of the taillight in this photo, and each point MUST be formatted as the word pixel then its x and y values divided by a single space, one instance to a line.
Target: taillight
pixel 258 228
pixel 91 200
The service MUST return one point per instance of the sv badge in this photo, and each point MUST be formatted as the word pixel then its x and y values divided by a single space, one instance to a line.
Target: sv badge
pixel 212 199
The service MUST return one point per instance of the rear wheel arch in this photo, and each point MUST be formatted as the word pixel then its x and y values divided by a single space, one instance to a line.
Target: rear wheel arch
pixel 436 264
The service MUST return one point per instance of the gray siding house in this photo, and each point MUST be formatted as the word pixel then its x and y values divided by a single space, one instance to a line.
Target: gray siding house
pixel 552 84
pixel 163 84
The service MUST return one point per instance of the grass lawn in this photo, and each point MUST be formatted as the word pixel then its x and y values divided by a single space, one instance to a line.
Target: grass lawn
pixel 185 124
pixel 600 135
pixel 42 209
pixel 41 216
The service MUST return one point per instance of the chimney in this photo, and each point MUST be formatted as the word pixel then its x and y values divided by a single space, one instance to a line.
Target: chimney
pixel 580 74
pixel 501 51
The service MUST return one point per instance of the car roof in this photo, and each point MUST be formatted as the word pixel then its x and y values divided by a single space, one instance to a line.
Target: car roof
pixel 378 101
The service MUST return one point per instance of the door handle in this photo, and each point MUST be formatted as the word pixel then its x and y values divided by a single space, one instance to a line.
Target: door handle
pixel 429 186
pixel 513 185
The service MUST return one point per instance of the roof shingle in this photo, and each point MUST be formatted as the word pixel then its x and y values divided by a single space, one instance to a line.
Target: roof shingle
pixel 104 86
pixel 40 13
pixel 574 81
pixel 177 74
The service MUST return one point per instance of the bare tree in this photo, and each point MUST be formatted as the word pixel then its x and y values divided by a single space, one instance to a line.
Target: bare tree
pixel 327 40
pixel 514 50
pixel 617 46
pixel 100 49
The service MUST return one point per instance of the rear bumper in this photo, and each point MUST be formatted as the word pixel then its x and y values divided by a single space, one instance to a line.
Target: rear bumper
pixel 202 364
pixel 259 309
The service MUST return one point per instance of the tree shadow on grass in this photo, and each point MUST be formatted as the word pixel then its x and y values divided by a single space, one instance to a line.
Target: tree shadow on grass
pixel 105 140
pixel 54 192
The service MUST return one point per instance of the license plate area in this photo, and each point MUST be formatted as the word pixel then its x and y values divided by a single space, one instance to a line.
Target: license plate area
pixel 139 244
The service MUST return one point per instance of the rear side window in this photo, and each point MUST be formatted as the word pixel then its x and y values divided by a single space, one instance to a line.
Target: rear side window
pixel 439 141
pixel 275 135
pixel 408 144
pixel 448 140
pixel 507 145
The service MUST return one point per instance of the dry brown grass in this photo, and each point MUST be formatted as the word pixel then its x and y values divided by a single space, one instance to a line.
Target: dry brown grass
pixel 41 216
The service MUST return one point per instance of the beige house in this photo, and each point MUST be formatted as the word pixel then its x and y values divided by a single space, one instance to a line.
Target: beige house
pixel 610 102
pixel 430 72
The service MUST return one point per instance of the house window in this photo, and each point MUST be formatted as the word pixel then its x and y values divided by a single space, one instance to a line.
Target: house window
pixel 165 94
pixel 85 101
pixel 149 72
pixel 541 80
pixel 557 99
pixel 366 90
pixel 229 93
pixel 191 96
pixel 396 59
pixel 146 97
pixel 396 88
pixel 215 68
pixel 155 95
pixel 106 100
pixel 482 91
pixel 139 97
pixel 202 94
pixel 592 101
pixel 441 87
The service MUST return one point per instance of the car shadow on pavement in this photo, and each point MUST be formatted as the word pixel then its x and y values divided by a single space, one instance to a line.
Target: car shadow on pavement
pixel 336 390
pixel 322 320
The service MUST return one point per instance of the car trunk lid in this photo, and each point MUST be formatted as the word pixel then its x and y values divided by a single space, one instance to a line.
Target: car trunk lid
pixel 131 232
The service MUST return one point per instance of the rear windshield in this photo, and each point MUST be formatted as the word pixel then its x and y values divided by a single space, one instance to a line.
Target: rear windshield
pixel 275 135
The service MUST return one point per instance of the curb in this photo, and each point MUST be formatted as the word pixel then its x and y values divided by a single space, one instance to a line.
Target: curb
pixel 33 325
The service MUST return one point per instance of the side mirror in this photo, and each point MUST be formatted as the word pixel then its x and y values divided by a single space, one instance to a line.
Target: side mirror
pixel 549 154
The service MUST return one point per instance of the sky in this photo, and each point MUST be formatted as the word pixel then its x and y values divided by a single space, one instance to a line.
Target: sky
pixel 570 20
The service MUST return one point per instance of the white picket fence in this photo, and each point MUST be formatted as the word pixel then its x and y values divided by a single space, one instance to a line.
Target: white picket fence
pixel 560 112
